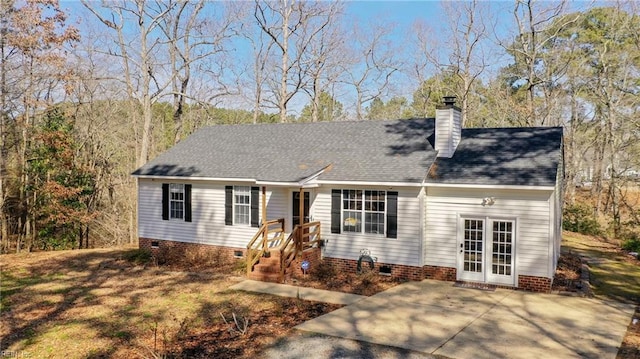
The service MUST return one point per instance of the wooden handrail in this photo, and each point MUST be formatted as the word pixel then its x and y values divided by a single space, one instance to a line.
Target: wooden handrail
pixel 288 252
pixel 256 249
pixel 296 244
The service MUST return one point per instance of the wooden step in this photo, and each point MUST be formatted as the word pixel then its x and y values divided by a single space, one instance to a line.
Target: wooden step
pixel 265 277
pixel 275 261
pixel 266 268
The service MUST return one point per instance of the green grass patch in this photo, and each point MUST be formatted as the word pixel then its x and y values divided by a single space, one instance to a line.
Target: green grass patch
pixel 616 280
pixel 631 244
pixel 138 256
pixel 611 274
pixel 12 284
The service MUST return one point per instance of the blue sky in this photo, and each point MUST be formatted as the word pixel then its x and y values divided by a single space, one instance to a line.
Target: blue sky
pixel 395 11
pixel 401 14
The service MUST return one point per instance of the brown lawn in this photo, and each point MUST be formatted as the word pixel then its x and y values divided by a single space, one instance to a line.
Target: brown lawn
pixel 97 304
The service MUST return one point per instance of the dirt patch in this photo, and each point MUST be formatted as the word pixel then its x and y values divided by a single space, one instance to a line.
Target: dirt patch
pixel 228 340
pixel 100 303
pixel 630 347
pixel 327 277
pixel 568 274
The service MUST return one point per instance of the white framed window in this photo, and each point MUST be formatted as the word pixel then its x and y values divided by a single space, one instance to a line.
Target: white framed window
pixel 242 205
pixel 363 211
pixel 352 210
pixel 374 211
pixel 176 201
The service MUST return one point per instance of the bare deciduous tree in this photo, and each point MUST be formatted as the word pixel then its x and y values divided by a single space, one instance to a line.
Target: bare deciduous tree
pixel 372 63
pixel 292 27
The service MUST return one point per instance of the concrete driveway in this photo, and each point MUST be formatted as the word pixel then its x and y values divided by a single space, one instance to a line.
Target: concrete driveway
pixel 436 318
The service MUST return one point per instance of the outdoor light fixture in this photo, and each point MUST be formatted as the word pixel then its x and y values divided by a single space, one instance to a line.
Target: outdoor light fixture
pixel 488 201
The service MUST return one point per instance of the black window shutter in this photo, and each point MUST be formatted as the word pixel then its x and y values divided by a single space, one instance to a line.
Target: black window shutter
pixel 255 213
pixel 228 205
pixel 187 203
pixel 392 214
pixel 165 201
pixel 336 199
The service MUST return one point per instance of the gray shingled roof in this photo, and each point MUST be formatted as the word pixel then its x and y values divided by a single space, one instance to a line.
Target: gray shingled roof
pixel 369 151
pixel 376 151
pixel 505 156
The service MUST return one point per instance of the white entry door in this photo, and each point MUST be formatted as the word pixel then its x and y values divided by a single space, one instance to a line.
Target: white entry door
pixel 486 251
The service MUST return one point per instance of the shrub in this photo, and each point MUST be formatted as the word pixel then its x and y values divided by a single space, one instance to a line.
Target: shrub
pixel 579 218
pixel 191 258
pixel 138 256
pixel 203 258
pixel 324 271
pixel 631 244
pixel 240 266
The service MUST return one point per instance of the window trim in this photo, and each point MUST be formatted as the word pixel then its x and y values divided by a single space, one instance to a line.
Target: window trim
pixel 235 205
pixel 230 205
pixel 363 211
pixel 176 188
pixel 167 201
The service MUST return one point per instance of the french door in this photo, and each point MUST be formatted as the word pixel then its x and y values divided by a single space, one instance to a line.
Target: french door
pixel 486 250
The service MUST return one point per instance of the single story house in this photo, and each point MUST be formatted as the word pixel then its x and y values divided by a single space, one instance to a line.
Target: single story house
pixel 425 197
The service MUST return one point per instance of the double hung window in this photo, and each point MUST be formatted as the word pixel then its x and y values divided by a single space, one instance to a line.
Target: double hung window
pixel 363 211
pixel 241 205
pixel 176 201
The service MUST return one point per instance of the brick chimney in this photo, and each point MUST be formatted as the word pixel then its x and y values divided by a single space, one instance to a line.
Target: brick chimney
pixel 448 127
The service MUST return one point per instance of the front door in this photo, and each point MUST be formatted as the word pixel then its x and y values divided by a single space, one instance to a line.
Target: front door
pixel 296 209
pixel 486 251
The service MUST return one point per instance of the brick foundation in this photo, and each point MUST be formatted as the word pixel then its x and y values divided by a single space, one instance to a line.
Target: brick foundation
pixel 312 255
pixel 440 273
pixel 529 283
pixel 396 270
pixel 227 253
pixel 534 284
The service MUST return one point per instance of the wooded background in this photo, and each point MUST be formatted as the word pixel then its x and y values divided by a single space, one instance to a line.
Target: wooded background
pixel 84 104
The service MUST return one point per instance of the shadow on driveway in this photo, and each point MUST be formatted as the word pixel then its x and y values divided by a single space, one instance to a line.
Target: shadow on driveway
pixel 433 317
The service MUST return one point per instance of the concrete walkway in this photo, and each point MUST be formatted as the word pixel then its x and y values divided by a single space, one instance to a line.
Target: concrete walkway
pixel 437 319
pixel 292 291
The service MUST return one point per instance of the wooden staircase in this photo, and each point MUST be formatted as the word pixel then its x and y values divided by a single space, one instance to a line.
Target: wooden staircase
pixel 268 268
pixel 269 255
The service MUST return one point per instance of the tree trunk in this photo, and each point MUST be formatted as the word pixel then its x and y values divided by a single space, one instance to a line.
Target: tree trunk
pixel 282 101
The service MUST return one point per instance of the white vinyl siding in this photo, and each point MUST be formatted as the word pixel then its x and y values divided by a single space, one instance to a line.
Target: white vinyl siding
pixel 531 209
pixel 208 211
pixel 405 249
